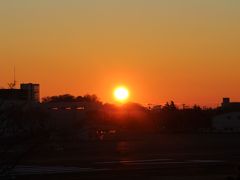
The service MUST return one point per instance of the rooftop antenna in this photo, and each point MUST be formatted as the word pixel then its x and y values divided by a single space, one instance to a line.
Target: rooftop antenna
pixel 13 84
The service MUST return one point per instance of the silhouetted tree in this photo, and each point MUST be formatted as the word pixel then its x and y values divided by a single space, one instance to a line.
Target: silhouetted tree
pixel 60 98
pixel 170 106
pixel 71 98
pixel 171 118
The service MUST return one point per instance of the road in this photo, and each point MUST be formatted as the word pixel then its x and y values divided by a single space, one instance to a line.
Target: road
pixel 176 156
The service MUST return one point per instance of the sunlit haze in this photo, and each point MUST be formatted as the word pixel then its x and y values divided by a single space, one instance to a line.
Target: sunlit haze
pixel 186 51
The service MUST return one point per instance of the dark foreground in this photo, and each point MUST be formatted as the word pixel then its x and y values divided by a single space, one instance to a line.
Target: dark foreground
pixel 175 156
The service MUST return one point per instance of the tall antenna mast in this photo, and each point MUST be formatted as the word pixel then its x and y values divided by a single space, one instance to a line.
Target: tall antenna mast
pixel 13 84
pixel 14 80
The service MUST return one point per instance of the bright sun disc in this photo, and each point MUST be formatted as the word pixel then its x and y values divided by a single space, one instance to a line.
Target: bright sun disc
pixel 121 94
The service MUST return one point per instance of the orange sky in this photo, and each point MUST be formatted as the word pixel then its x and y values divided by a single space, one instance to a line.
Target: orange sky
pixel 186 51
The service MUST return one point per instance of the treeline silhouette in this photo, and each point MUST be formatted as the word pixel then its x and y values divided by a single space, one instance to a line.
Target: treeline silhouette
pixel 170 118
pixel 71 98
pixel 133 117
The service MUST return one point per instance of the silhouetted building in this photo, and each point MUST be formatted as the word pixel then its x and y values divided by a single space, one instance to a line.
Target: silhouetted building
pixel 26 93
pixel 229 118
pixel 227 104
pixel 33 91
pixel 229 122
pixel 13 94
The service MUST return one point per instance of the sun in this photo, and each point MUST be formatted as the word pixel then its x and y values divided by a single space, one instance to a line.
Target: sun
pixel 121 94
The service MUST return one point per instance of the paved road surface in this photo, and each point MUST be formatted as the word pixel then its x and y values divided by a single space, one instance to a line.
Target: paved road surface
pixel 175 156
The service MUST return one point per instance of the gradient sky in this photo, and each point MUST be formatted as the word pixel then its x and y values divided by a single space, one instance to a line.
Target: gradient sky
pixel 187 51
